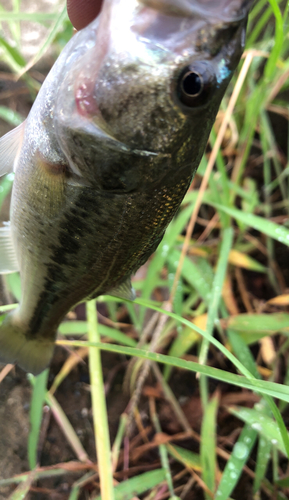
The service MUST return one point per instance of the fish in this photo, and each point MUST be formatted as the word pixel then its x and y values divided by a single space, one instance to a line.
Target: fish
pixel 106 155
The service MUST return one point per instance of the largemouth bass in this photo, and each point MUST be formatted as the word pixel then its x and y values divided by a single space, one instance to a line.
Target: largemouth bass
pixel 107 154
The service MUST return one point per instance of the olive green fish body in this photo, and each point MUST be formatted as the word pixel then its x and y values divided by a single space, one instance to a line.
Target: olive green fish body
pixel 107 154
pixel 95 242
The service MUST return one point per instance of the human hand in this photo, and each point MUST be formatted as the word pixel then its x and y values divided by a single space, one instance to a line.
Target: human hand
pixel 82 12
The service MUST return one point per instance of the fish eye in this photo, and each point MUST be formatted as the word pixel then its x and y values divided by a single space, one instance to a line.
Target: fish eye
pixel 195 84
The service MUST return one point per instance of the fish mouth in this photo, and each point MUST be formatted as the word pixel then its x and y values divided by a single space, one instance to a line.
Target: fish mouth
pixel 222 10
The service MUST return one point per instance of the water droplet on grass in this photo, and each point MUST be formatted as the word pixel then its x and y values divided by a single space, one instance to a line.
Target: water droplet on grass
pixel 240 450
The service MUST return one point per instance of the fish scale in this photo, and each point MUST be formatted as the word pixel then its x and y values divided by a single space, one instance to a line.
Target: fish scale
pixel 107 154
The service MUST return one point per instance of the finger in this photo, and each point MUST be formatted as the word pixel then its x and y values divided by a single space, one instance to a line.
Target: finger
pixel 82 12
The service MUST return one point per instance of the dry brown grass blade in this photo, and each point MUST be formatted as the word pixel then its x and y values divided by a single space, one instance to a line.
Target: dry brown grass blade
pixel 4 372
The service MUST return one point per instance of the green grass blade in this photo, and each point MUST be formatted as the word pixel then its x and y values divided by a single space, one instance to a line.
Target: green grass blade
pixel 261 23
pixel 193 275
pixel 99 407
pixel 15 27
pixel 35 17
pixel 242 352
pixel 157 262
pixel 22 490
pixel 270 67
pixel 279 233
pixel 38 474
pixel 137 485
pixel 81 328
pixel 116 335
pixel 266 387
pixel 283 483
pixel 118 440
pixel 227 240
pixel 182 344
pixel 4 309
pixel 5 187
pixel 162 450
pixel 217 287
pixel 14 284
pixel 74 494
pixel 37 400
pixel 267 323
pixel 10 116
pixel 259 386
pixel 11 55
pixel 208 445
pixel 263 424
pixel 263 457
pixel 185 457
pixel 236 462
pixel 57 25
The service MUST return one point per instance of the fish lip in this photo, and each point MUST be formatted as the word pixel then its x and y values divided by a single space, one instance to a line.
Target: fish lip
pixel 234 11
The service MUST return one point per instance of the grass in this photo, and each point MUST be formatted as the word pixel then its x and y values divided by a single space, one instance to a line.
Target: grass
pixel 227 319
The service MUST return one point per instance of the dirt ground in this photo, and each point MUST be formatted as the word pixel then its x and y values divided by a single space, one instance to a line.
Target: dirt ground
pixel 74 397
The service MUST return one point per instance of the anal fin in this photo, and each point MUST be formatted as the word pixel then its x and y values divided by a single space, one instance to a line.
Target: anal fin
pixel 123 291
pixel 8 259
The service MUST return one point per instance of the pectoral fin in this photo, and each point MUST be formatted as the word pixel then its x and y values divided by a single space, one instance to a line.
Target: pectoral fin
pixel 123 291
pixel 10 145
pixel 8 259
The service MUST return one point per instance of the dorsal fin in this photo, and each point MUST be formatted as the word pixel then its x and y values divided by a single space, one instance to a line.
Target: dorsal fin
pixel 10 145
pixel 8 259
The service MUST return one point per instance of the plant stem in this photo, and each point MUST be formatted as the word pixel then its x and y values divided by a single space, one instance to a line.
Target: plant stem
pixel 99 407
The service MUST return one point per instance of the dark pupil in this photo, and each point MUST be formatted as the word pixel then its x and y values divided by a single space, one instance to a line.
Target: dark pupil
pixel 192 84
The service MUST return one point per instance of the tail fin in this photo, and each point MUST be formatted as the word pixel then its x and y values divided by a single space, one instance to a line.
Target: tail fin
pixel 33 355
